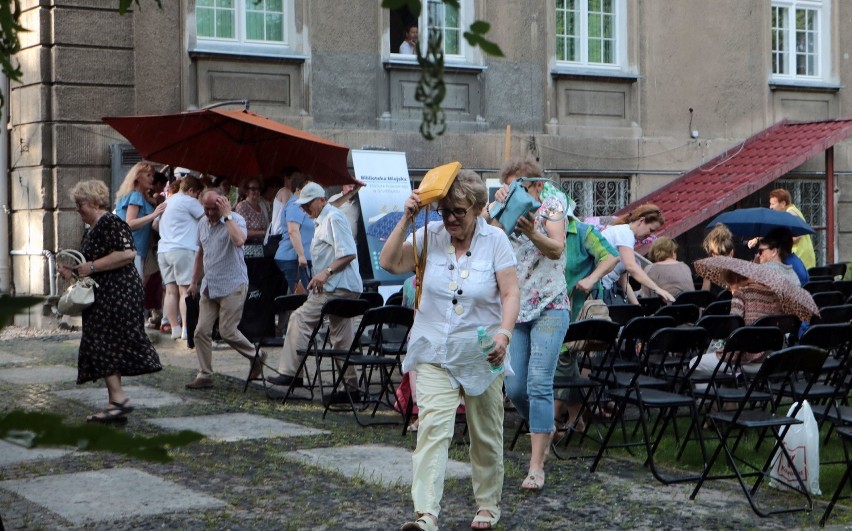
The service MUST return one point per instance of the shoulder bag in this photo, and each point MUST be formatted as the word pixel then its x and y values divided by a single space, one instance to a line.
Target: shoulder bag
pixel 79 295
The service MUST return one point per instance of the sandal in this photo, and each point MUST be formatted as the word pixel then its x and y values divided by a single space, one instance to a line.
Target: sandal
pixel 424 523
pixel 488 518
pixel 116 413
pixel 534 481
pixel 603 410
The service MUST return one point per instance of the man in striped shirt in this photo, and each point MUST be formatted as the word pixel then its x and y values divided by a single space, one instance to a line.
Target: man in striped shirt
pixel 221 235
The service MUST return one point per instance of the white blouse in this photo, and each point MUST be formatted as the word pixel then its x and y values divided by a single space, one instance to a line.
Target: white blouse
pixel 442 333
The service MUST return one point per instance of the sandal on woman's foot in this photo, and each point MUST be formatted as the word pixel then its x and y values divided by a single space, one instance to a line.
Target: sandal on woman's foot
pixel 534 481
pixel 108 416
pixel 122 407
pixel 424 523
pixel 484 521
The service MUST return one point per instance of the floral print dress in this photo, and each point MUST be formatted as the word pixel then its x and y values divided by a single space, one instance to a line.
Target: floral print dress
pixel 541 280
pixel 114 340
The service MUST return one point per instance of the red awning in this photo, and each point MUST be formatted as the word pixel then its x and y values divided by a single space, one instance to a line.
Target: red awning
pixel 740 171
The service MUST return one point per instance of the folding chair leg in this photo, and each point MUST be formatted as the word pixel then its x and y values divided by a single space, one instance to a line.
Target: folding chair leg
pixel 522 428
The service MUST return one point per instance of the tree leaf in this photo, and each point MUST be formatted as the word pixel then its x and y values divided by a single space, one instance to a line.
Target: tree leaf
pixel 480 26
pixel 124 5
pixel 490 48
pixel 454 3
pixel 35 429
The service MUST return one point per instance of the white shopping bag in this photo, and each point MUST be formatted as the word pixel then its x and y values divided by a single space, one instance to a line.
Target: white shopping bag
pixel 802 443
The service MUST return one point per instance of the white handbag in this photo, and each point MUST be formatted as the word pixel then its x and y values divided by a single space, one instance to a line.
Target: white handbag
pixel 79 295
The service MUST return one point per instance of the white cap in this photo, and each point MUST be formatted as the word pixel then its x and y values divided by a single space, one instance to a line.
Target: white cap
pixel 310 192
pixel 182 172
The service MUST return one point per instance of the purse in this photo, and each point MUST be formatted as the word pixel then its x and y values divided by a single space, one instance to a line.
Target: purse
pixel 79 295
pixel 253 250
pixel 518 202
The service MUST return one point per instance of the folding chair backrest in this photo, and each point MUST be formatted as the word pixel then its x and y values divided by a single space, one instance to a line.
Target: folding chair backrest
pixel 820 271
pixel 844 287
pixel 788 324
pixel 592 335
pixel 700 298
pixel 828 298
pixel 724 295
pixel 754 339
pixel 288 303
pixel 720 326
pixel 623 313
pixel 831 337
pixel 650 304
pixel 680 343
pixel 834 314
pixel 639 330
pixel 838 269
pixel 380 320
pixel 339 307
pixel 394 300
pixel 781 368
pixel 816 286
pixel 718 308
pixel 682 313
pixel 374 298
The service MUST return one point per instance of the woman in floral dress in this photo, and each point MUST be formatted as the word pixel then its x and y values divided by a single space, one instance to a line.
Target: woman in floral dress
pixel 539 245
pixel 114 343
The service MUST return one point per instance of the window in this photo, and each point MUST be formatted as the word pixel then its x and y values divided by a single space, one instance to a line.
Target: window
pixel 590 32
pixel 450 21
pixel 799 39
pixel 597 197
pixel 243 25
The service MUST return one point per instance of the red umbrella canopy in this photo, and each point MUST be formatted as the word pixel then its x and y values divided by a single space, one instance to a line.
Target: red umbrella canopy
pixel 236 144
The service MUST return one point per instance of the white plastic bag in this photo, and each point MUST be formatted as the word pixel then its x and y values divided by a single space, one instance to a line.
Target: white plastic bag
pixel 802 443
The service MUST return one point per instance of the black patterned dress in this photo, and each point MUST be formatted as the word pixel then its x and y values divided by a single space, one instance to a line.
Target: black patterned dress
pixel 114 339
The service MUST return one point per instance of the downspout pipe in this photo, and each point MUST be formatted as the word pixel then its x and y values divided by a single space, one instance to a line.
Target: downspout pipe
pixel 5 258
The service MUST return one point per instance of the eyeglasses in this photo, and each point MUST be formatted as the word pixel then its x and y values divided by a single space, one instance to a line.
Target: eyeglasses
pixel 761 249
pixel 458 213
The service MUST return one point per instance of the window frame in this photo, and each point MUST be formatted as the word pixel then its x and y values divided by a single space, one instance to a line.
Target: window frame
pixel 789 55
pixel 466 55
pixel 240 44
pixel 619 37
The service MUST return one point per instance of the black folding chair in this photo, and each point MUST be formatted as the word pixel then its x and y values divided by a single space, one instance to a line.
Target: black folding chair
pixel 717 308
pixel 375 298
pixel 394 300
pixel 844 287
pixel 337 308
pixel 683 314
pixel 828 298
pixel 838 269
pixel 820 271
pixel 650 305
pixel 720 327
pixel 376 354
pixel 700 298
pixel 724 295
pixel 833 314
pixel 281 304
pixel 623 313
pixel 779 370
pixel 681 344
pixel 788 324
pixel 817 286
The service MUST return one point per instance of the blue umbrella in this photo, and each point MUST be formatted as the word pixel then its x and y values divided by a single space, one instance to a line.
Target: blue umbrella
pixel 382 227
pixel 750 222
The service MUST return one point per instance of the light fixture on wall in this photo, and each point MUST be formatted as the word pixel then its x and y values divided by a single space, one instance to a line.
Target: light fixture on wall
pixel 693 133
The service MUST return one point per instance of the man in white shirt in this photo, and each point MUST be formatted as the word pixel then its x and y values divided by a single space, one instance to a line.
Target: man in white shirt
pixel 409 45
pixel 178 227
pixel 335 262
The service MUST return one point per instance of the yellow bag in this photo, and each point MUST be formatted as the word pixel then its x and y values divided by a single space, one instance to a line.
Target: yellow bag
pixel 437 181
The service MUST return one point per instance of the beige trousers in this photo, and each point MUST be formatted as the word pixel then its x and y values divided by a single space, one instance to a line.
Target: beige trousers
pixel 229 310
pixel 437 401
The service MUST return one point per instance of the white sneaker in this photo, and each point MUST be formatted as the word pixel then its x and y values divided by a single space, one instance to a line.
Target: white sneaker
pixel 183 334
pixel 177 332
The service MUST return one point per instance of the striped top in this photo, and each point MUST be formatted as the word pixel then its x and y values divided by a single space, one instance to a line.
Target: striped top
pixel 753 301
pixel 224 263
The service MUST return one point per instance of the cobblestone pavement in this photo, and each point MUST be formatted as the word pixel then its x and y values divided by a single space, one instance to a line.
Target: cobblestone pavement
pixel 277 482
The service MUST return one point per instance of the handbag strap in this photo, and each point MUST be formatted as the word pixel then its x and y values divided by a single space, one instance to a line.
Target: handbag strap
pixel 73 254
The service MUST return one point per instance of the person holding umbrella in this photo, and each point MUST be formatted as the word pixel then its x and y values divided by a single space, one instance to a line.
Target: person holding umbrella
pixel 758 291
pixel 781 201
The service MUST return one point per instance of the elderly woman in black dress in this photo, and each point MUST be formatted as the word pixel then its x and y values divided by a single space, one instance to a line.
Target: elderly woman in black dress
pixel 114 343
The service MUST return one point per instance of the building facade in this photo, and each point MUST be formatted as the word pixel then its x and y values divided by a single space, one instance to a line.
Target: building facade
pixel 615 97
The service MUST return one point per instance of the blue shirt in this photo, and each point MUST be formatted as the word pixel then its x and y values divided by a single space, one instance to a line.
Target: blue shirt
pixel 798 267
pixel 293 213
pixel 224 262
pixel 142 235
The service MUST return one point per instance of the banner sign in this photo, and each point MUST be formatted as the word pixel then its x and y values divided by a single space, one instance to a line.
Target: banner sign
pixel 382 201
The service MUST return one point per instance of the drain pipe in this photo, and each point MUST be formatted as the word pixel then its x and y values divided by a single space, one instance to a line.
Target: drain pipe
pixel 5 259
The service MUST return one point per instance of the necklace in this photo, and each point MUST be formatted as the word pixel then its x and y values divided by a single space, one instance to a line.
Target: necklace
pixel 455 285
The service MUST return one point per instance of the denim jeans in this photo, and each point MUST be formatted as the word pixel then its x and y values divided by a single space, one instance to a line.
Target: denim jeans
pixel 534 351
pixel 290 268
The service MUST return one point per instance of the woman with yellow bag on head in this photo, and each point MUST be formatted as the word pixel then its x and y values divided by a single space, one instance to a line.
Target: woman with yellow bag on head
pixel 468 281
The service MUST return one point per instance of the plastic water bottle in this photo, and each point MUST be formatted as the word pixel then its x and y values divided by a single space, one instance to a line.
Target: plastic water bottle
pixel 486 346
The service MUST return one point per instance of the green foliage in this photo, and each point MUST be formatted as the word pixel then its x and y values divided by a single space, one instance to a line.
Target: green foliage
pixel 10 41
pixel 32 429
